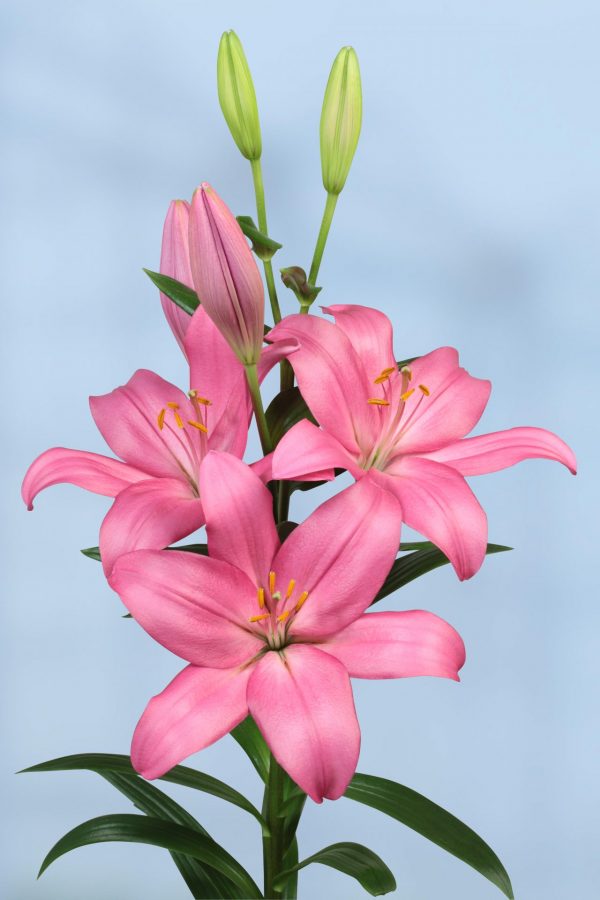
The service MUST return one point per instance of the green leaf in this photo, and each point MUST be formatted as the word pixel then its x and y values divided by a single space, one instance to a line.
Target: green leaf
pixel 284 529
pixel 182 775
pixel 433 822
pixel 286 410
pixel 264 246
pixel 181 295
pixel 160 833
pixel 94 552
pixel 290 860
pixel 406 362
pixel 409 567
pixel 203 881
pixel 253 744
pixel 352 859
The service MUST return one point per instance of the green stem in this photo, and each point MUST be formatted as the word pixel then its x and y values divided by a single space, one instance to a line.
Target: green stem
pixel 261 210
pixel 257 406
pixel 273 849
pixel 322 239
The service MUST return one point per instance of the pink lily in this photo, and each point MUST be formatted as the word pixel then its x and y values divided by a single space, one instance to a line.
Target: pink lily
pixel 225 275
pixel 175 262
pixel 277 630
pixel 403 428
pixel 162 435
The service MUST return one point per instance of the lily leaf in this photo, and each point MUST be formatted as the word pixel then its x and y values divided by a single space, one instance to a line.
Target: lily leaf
pixel 290 860
pixel 352 859
pixel 160 833
pixel 248 736
pixel 433 822
pixel 181 295
pixel 94 552
pixel 285 410
pixel 264 246
pixel 409 567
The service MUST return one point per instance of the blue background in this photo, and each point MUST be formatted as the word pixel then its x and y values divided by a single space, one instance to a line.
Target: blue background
pixel 471 217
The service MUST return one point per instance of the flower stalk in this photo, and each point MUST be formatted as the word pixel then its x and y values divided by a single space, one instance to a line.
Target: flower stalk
pixel 328 212
pixel 257 406
pixel 273 849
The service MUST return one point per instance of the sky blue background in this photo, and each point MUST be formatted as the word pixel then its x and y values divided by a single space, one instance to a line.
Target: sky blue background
pixel 471 217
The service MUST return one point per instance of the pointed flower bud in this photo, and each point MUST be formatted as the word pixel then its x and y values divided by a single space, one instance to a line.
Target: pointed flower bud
pixel 225 275
pixel 237 97
pixel 175 262
pixel 341 119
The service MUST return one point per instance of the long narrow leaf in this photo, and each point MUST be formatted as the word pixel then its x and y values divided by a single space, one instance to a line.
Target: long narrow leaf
pixel 183 296
pixel 433 822
pixel 202 549
pixel 160 833
pixel 352 859
pixel 413 565
pixel 253 744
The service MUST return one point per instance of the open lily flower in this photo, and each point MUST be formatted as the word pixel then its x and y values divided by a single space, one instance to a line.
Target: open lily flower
pixel 404 428
pixel 162 435
pixel 277 630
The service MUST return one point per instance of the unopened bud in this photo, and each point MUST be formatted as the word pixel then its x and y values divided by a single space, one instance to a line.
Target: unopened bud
pixel 237 97
pixel 341 119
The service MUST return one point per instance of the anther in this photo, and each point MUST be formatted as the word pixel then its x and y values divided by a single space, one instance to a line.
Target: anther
pixel 161 419
pixel 178 419
pixel 198 425
pixel 290 589
pixel 173 405
pixel 261 598
pixel 404 397
pixel 272 581
pixel 375 401
pixel 301 600
pixel 283 616
pixel 425 389
pixel 259 618
pixel 194 395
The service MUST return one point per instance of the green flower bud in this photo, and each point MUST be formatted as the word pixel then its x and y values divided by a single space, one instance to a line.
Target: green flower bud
pixel 340 120
pixel 237 97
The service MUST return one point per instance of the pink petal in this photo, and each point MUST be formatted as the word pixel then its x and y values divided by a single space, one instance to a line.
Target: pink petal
pixel 175 262
pixel 196 709
pixel 217 375
pixel 306 449
pixel 149 515
pixel 439 503
pixel 91 471
pixel 453 407
pixel 128 420
pixel 274 353
pixel 492 452
pixel 370 333
pixel 340 555
pixel 194 606
pixel 332 379
pixel 398 645
pixel 239 516
pixel 302 702
pixel 225 274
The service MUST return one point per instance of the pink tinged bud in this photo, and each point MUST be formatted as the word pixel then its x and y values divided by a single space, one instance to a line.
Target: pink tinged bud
pixel 175 262
pixel 226 277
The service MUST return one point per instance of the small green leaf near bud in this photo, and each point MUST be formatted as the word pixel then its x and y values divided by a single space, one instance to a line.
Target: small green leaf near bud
pixel 294 278
pixel 341 119
pixel 237 97
pixel 264 246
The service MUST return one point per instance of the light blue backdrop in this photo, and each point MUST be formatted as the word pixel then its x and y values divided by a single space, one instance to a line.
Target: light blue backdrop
pixel 471 217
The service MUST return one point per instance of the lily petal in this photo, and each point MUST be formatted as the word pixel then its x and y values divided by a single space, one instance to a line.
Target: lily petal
pixel 128 420
pixel 307 449
pixel 239 516
pixel 92 471
pixel 340 555
pixel 175 262
pixel 149 515
pixel 196 607
pixel 304 707
pixel 274 353
pixel 370 333
pixel 332 379
pixel 398 645
pixel 439 503
pixel 196 709
pixel 500 449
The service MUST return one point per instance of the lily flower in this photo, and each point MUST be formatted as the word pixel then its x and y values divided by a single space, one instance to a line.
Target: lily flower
pixel 162 435
pixel 277 630
pixel 404 427
pixel 175 262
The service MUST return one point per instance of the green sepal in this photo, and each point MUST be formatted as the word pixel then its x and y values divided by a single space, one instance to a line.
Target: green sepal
pixel 264 246
pixel 418 563
pixel 181 295
pixel 352 859
pixel 431 821
pixel 160 833
pixel 295 278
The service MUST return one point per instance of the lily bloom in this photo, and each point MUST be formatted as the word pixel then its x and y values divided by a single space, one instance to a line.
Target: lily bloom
pixel 403 428
pixel 162 435
pixel 277 630
pixel 226 277
pixel 175 262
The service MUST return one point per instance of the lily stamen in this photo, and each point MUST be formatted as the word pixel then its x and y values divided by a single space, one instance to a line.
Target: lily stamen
pixel 161 419
pixel 260 617
pixel 301 601
pixel 376 401
pixel 198 425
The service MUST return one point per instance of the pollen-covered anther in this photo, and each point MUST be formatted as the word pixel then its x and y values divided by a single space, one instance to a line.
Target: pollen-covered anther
pixel 290 589
pixel 424 389
pixel 272 582
pixel 404 397
pixel 161 419
pixel 376 401
pixel 198 425
pixel 261 597
pixel 284 615
pixel 384 375
pixel 178 419
pixel 259 618
pixel 173 405
pixel 194 395
pixel 301 600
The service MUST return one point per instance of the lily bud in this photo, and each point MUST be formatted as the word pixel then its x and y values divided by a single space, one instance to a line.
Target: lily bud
pixel 341 119
pixel 175 262
pixel 237 97
pixel 226 277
